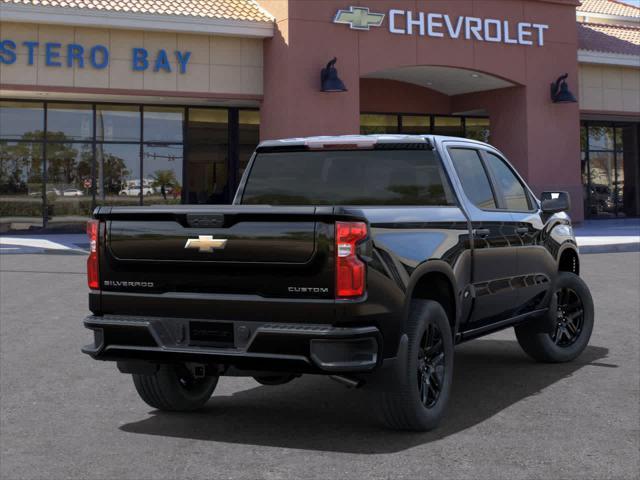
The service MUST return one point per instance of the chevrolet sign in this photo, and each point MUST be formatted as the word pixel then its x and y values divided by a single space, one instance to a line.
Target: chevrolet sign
pixel 441 25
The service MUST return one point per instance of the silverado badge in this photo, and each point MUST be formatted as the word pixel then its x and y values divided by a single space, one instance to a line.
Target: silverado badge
pixel 206 243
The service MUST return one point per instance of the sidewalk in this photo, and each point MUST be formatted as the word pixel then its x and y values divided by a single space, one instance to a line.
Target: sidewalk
pixel 593 236
pixel 604 236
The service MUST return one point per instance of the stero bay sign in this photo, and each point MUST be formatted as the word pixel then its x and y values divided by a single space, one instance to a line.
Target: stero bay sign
pixel 442 25
pixel 96 56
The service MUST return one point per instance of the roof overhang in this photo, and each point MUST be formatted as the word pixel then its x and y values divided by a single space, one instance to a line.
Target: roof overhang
pixel 607 58
pixel 135 21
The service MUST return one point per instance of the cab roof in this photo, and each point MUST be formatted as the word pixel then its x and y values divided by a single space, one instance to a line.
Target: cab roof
pixel 358 141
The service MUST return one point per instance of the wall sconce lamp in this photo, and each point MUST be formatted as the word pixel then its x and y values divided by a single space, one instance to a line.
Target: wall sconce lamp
pixel 329 80
pixel 560 92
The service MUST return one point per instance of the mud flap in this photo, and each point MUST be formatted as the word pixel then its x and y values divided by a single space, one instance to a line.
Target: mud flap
pixel 385 378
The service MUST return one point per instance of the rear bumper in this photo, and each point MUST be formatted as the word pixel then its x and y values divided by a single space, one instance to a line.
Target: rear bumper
pixel 259 346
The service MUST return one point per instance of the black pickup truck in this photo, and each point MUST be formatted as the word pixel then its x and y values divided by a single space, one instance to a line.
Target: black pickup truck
pixel 364 258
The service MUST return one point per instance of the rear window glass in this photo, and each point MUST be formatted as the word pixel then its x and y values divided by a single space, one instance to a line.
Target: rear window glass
pixel 372 177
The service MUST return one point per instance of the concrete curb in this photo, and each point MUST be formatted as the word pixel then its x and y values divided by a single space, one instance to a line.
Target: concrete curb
pixel 619 248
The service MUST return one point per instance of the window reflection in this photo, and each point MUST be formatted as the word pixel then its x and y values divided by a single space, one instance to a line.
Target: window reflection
pixel 378 124
pixel 163 124
pixel 162 181
pixel 69 176
pixel 21 185
pixel 478 129
pixel 207 156
pixel 450 126
pixel 118 123
pixel 21 120
pixel 416 124
pixel 118 174
pixel 248 139
pixel 67 122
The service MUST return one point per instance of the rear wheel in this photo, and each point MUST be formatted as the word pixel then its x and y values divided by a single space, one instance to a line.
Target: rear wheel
pixel 174 388
pixel 573 327
pixel 416 399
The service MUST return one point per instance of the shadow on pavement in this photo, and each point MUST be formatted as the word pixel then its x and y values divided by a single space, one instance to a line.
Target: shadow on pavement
pixel 315 413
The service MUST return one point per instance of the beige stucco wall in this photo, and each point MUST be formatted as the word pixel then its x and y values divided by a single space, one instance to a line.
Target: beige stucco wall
pixel 218 65
pixel 609 88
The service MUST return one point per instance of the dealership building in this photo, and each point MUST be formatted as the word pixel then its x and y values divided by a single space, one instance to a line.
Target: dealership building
pixel 108 102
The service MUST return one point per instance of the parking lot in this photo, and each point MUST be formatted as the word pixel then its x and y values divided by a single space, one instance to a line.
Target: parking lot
pixel 64 415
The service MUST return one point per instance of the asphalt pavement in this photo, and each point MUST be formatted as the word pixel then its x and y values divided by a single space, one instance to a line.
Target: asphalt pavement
pixel 64 416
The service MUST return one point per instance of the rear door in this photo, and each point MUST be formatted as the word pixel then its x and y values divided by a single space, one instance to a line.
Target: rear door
pixel 494 238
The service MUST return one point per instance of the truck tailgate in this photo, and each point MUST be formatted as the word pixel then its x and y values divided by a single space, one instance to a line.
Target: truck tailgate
pixel 264 252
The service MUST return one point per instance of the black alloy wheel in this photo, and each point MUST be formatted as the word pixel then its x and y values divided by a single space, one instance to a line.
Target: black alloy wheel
pixel 570 315
pixel 431 366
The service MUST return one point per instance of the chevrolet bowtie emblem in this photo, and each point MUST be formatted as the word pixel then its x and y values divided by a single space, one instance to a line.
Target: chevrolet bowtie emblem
pixel 206 243
pixel 359 18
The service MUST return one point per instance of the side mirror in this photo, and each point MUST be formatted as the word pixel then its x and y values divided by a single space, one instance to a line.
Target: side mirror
pixel 554 202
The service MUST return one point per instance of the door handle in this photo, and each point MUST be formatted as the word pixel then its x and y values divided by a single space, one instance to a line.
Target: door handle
pixel 481 232
pixel 522 231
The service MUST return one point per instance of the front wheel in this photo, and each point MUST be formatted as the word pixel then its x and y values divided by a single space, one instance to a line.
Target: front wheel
pixel 416 399
pixel 174 388
pixel 573 327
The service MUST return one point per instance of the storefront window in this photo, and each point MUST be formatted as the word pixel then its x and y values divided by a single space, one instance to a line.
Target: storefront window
pixel 610 169
pixel 163 124
pixel 21 120
pixel 69 122
pixel 118 123
pixel 118 174
pixel 477 129
pixel 207 155
pixel 21 185
pixel 416 124
pixel 69 170
pixel 450 126
pixel 378 124
pixel 108 154
pixel 162 169
pixel 248 138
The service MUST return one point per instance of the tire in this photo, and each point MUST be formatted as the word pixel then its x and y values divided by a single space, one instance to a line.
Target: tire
pixel 173 388
pixel 573 328
pixel 402 403
pixel 274 379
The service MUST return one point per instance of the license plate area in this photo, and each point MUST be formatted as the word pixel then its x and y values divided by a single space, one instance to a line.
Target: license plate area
pixel 211 334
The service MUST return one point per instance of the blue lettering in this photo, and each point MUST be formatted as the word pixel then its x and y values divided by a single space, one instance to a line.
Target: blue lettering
pixel 7 52
pixel 162 62
pixel 51 54
pixel 99 50
pixel 31 47
pixel 183 59
pixel 74 53
pixel 140 62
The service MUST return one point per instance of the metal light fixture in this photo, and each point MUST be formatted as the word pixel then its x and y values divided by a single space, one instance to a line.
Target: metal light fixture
pixel 330 82
pixel 560 92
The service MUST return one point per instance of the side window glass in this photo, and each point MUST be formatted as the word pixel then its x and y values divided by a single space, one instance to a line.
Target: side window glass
pixel 473 177
pixel 515 196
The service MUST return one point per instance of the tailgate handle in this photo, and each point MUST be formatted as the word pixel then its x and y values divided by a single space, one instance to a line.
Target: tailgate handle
pixel 205 220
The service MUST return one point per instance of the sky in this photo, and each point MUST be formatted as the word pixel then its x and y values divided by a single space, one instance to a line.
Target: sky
pixel 635 3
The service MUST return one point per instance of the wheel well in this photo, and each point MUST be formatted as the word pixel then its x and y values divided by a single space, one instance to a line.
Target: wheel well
pixel 437 287
pixel 569 262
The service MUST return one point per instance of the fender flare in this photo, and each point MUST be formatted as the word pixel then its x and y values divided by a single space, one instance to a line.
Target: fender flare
pixel 431 266
pixel 567 245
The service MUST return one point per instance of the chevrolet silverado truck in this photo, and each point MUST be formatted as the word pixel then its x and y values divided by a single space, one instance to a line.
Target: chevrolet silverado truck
pixel 363 258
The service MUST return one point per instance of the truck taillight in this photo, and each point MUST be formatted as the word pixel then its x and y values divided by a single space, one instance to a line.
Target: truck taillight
pixel 350 270
pixel 93 229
